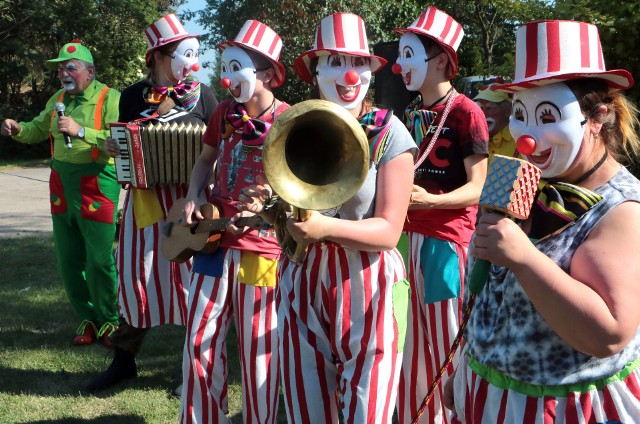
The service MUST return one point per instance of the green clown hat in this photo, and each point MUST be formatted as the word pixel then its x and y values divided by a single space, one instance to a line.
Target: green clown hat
pixel 72 50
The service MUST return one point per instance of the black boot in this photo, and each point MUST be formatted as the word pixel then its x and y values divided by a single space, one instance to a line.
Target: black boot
pixel 122 367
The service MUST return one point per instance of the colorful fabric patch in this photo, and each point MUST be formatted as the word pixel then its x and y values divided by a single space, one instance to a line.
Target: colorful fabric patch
pixel 419 120
pixel 56 193
pixel 403 248
pixel 401 295
pixel 95 205
pixel 256 270
pixel 376 126
pixel 440 269
pixel 210 264
pixel 559 205
pixel 146 207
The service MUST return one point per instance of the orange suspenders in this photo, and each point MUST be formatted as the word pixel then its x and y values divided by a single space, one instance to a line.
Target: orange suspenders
pixel 97 120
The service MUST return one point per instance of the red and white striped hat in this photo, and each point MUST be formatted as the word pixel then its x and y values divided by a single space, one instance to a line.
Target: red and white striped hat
pixel 342 34
pixel 553 51
pixel 164 31
pixel 441 28
pixel 260 38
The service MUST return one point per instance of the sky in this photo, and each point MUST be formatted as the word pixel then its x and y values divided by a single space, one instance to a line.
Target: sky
pixel 193 28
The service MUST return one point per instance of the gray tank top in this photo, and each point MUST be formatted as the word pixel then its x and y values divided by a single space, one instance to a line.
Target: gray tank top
pixel 506 332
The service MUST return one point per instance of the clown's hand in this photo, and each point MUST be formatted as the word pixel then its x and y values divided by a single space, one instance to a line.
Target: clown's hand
pixel 111 147
pixel 10 127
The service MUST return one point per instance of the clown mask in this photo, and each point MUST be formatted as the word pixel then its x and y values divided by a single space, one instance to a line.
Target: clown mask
pixel 185 59
pixel 237 73
pixel 412 61
pixel 344 79
pixel 551 118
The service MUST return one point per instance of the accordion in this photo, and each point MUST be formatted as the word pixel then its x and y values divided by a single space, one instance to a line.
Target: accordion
pixel 153 154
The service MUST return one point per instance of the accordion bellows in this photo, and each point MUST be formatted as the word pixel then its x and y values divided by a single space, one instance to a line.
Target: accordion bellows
pixel 156 154
pixel 510 186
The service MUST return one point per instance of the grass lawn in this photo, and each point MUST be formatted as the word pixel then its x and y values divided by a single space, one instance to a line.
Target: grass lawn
pixel 42 374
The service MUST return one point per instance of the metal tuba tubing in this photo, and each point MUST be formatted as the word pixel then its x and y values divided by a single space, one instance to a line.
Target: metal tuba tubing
pixel 315 156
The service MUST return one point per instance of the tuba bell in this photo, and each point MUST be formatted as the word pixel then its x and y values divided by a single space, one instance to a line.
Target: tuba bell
pixel 315 157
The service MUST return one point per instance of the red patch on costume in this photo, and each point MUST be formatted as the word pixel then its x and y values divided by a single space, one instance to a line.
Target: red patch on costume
pixel 71 49
pixel 95 205
pixel 56 193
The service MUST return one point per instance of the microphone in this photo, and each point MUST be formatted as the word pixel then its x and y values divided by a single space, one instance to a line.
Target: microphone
pixel 60 110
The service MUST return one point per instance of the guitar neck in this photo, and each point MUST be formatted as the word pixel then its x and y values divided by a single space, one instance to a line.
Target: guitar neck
pixel 220 224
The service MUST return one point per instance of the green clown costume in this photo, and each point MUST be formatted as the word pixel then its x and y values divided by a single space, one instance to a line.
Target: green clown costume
pixel 84 196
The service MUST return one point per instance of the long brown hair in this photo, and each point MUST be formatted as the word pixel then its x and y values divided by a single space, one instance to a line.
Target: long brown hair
pixel 619 124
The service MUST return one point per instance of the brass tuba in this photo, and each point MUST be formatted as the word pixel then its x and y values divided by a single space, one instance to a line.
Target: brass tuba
pixel 315 156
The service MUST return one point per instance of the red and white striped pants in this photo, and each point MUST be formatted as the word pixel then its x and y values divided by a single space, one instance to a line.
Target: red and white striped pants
pixel 213 301
pixel 339 335
pixel 151 290
pixel 430 332
pixel 479 402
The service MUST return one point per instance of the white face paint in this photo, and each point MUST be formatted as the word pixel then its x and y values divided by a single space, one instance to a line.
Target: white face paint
pixel 332 79
pixel 412 57
pixel 69 85
pixel 238 68
pixel 184 57
pixel 551 115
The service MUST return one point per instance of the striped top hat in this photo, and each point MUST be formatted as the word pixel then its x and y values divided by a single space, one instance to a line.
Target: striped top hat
pixel 164 31
pixel 341 34
pixel 260 38
pixel 553 51
pixel 441 28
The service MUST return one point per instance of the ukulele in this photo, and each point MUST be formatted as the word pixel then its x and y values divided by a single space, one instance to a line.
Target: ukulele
pixel 180 242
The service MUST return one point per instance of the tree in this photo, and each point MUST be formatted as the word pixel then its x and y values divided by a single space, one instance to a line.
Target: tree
pixel 295 21
pixel 33 31
pixel 619 28
pixel 487 48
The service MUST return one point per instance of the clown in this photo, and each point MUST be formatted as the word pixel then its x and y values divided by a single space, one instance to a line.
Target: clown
pixel 451 132
pixel 84 190
pixel 555 333
pixel 184 59
pixel 343 80
pixel 412 62
pixel 549 127
pixel 341 310
pixel 238 73
pixel 238 280
pixel 152 290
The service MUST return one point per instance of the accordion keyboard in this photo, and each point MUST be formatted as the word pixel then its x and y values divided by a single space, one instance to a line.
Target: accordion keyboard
pixel 122 162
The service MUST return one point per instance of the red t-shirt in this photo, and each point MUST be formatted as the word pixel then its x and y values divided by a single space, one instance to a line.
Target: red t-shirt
pixel 236 168
pixel 463 134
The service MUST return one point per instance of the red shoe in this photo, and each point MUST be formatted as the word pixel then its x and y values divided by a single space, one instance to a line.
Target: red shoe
pixel 86 334
pixel 105 332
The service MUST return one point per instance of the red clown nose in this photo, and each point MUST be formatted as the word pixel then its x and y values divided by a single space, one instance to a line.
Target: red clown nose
pixel 526 144
pixel 195 67
pixel 225 83
pixel 396 68
pixel 351 77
